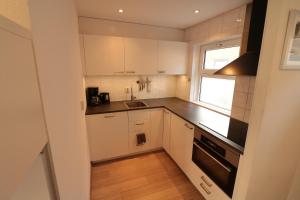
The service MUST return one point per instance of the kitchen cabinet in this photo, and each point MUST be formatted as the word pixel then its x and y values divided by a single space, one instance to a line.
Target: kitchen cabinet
pixel 23 129
pixel 205 185
pixel 157 127
pixel 172 57
pixel 139 123
pixel 140 56
pixel 104 55
pixel 109 55
pixel 182 135
pixel 108 135
pixel 167 131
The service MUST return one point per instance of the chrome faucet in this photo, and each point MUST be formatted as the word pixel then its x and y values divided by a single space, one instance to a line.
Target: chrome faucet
pixel 131 95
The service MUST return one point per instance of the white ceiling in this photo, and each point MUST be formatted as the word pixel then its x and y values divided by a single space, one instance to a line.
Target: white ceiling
pixel 168 13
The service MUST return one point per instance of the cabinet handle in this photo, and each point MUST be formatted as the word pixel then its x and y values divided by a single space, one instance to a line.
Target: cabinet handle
pixel 186 125
pixel 130 72
pixel 205 181
pixel 109 116
pixel 119 72
pixel 205 189
pixel 139 124
pixel 167 112
pixel 161 72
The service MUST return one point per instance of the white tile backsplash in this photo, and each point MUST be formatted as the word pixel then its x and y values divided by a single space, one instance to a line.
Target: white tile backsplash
pixel 242 84
pixel 238 113
pixel 242 97
pixel 160 87
pixel 182 88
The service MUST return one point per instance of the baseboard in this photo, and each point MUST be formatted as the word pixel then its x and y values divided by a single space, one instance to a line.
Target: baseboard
pixel 131 155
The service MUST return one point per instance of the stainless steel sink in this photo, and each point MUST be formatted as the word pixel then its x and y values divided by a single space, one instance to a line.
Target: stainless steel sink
pixel 135 104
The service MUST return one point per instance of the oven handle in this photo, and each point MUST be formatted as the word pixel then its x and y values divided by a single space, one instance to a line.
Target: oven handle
pixel 208 154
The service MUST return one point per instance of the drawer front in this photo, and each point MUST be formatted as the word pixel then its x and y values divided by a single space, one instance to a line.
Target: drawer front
pixel 138 116
pixel 141 126
pixel 205 185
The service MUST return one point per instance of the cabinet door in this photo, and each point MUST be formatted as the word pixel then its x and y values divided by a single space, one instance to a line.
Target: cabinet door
pixel 108 135
pixel 140 56
pixel 104 55
pixel 139 123
pixel 23 131
pixel 172 57
pixel 156 128
pixel 182 134
pixel 167 131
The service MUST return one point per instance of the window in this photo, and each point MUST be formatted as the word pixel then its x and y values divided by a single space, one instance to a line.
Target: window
pixel 217 92
pixel 214 91
pixel 218 58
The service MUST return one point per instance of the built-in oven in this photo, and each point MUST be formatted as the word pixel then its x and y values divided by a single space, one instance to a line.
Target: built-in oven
pixel 216 159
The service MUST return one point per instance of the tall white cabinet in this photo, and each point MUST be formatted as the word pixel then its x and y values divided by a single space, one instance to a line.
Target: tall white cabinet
pixel 104 55
pixel 22 129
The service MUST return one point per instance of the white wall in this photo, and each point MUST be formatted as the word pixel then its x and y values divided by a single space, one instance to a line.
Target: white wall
pixel 294 192
pixel 217 28
pixel 222 27
pixel 123 29
pixel 17 11
pixel 161 86
pixel 36 184
pixel 271 157
pixel 56 41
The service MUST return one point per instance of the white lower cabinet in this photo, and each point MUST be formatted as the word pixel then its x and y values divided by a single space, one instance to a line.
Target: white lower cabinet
pixel 205 185
pixel 114 135
pixel 139 123
pixel 182 135
pixel 108 135
pixel 167 131
pixel 157 127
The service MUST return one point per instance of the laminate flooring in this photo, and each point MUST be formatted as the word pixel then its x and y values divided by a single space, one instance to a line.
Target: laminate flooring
pixel 152 176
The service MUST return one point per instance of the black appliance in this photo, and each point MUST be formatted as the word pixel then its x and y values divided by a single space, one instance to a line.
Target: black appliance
pixel 92 97
pixel 104 98
pixel 218 160
pixel 254 23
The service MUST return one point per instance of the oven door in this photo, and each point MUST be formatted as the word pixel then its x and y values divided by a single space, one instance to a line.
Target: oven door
pixel 216 167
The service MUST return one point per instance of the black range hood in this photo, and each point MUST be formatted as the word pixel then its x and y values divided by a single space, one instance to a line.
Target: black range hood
pixel 247 63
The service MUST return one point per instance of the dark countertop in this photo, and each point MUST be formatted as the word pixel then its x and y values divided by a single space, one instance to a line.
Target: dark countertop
pixel 228 130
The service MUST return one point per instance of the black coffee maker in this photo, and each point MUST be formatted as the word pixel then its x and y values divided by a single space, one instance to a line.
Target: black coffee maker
pixel 92 96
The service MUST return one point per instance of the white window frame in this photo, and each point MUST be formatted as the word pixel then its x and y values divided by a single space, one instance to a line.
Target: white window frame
pixel 210 72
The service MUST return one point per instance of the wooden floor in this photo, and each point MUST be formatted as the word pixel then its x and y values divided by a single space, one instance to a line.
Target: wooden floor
pixel 148 177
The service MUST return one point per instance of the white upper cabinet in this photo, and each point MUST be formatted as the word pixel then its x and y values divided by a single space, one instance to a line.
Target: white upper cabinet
pixel 140 56
pixel 108 55
pixel 172 57
pixel 104 55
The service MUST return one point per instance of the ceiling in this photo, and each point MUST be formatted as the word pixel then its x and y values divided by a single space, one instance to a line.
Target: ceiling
pixel 167 13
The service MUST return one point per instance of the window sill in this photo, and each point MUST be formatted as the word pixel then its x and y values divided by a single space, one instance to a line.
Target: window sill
pixel 213 108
